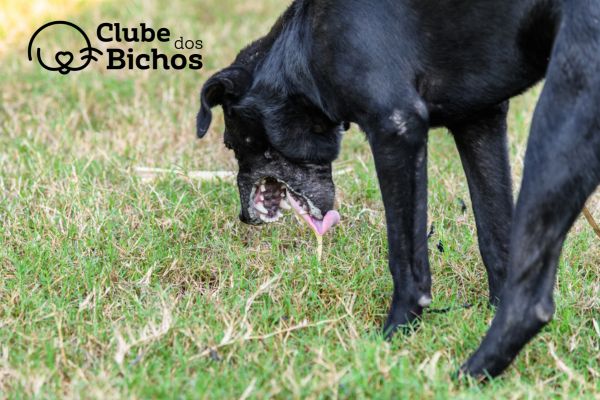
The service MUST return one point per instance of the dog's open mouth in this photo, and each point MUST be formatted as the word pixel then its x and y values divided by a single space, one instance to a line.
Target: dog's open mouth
pixel 270 197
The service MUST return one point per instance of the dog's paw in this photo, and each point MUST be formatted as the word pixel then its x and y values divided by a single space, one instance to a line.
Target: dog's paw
pixel 464 375
pixel 474 370
pixel 406 324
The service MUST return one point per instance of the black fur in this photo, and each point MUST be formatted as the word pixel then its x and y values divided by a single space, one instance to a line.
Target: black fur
pixel 398 68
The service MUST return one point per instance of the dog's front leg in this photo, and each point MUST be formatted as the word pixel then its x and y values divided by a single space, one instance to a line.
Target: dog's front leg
pixel 483 146
pixel 398 140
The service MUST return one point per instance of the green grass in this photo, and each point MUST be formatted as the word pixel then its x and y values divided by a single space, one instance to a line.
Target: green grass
pixel 113 286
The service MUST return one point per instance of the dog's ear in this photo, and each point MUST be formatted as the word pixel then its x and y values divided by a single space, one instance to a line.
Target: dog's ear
pixel 228 84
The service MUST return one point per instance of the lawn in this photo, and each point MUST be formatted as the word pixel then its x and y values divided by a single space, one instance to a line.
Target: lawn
pixel 120 284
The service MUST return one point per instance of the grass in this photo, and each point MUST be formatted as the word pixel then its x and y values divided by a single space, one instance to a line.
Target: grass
pixel 114 286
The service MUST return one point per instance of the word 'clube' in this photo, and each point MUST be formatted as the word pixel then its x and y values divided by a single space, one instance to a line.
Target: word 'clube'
pixel 119 57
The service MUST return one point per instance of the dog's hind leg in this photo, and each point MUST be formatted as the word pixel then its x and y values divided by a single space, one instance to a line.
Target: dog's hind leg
pixel 483 148
pixel 562 168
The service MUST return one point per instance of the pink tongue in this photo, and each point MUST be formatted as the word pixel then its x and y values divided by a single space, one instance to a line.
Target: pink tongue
pixel 331 219
pixel 321 227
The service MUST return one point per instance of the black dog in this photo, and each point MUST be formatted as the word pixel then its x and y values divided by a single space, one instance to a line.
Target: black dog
pixel 398 68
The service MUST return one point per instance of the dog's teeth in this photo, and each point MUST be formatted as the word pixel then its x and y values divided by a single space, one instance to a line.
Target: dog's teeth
pixel 264 218
pixel 285 205
pixel 282 194
pixel 261 197
pixel 261 207
pixel 263 188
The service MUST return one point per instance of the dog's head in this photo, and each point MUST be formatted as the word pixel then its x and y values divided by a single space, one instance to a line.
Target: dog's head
pixel 284 146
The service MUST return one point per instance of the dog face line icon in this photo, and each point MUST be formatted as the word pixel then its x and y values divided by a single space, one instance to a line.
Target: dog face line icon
pixel 64 59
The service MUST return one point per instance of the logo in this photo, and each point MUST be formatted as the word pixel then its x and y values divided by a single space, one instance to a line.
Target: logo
pixel 63 60
pixel 119 57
